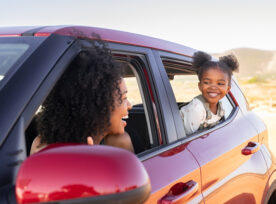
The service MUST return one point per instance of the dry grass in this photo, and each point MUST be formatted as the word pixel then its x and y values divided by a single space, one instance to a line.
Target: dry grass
pixel 261 95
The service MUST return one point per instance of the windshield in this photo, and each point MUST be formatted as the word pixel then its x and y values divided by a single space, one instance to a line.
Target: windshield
pixel 9 54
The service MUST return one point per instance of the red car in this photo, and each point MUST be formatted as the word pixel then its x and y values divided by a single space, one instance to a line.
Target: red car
pixel 229 163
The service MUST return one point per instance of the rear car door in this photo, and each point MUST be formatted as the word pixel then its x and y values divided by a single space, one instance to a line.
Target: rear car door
pixel 232 167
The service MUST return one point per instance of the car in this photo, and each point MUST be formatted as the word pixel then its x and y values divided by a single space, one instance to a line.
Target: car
pixel 228 163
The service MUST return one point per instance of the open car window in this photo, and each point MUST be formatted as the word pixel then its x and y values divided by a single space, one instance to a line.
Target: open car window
pixel 184 83
pixel 141 122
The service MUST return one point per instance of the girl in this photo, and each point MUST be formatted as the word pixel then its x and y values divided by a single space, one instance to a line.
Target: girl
pixel 205 110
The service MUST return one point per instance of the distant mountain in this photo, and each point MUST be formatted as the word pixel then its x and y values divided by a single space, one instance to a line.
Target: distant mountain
pixel 253 61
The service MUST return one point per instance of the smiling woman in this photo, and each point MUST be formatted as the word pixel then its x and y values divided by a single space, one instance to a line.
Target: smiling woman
pixel 87 104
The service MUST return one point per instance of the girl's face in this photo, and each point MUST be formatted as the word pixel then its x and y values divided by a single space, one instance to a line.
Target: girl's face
pixel 117 124
pixel 214 85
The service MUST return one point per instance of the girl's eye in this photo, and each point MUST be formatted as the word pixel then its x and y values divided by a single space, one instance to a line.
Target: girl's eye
pixel 205 82
pixel 221 84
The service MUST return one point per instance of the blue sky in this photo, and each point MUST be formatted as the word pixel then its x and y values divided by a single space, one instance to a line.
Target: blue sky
pixel 209 25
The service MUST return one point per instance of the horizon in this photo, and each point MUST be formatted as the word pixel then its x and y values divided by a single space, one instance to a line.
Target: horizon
pixel 211 25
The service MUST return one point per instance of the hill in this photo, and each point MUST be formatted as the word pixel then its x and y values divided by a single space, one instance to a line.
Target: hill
pixel 253 62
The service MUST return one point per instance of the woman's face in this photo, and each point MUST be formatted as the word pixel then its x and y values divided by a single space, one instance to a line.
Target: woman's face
pixel 214 85
pixel 117 124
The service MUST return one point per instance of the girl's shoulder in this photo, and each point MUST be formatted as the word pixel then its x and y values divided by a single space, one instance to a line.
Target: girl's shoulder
pixel 197 101
pixel 195 105
pixel 194 112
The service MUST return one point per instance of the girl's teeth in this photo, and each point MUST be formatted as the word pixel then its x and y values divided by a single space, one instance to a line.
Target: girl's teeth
pixel 125 117
pixel 213 94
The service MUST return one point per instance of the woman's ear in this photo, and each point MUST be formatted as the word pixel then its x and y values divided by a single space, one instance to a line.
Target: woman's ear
pixel 90 140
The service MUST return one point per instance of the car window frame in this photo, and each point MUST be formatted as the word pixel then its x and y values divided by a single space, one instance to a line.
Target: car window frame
pixel 59 68
pixel 160 55
pixel 165 116
pixel 137 62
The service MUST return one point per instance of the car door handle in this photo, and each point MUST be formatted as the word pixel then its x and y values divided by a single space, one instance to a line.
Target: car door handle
pixel 179 193
pixel 251 148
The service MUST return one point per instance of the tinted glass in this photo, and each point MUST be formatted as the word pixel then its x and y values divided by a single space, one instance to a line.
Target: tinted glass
pixel 9 54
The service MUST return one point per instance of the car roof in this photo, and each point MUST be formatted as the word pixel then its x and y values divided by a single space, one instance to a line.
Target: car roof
pixel 108 35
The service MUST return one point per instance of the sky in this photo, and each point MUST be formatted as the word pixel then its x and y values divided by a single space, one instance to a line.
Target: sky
pixel 209 25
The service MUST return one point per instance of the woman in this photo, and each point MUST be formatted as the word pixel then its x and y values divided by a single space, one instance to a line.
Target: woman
pixel 88 103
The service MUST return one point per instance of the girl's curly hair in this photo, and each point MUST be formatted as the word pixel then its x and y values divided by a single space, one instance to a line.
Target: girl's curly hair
pixel 81 102
pixel 203 61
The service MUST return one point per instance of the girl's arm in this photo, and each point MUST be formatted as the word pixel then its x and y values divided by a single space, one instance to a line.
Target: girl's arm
pixel 193 115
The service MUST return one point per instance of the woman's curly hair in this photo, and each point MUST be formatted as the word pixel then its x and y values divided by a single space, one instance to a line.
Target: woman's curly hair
pixel 81 102
pixel 203 61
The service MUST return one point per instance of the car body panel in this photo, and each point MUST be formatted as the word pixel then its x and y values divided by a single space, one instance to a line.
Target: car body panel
pixel 14 31
pixel 106 34
pixel 170 168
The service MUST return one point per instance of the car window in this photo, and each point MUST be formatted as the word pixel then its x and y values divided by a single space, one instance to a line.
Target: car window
pixel 227 106
pixel 184 83
pixel 9 54
pixel 185 87
pixel 134 95
pixel 141 124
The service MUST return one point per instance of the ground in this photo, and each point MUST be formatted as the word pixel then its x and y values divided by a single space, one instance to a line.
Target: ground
pixel 261 95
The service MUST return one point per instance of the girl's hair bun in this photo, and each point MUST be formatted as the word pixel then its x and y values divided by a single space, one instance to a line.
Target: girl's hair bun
pixel 231 61
pixel 200 58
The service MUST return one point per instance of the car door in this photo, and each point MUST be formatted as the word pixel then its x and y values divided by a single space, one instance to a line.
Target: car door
pixel 232 167
pixel 173 171
pixel 229 174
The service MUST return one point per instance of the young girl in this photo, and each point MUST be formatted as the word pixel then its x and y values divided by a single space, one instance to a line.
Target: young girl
pixel 205 110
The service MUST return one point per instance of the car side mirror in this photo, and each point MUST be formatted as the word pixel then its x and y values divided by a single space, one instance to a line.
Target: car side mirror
pixel 82 174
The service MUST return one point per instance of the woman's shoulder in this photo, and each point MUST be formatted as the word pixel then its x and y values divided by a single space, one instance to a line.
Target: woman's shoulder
pixel 36 145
